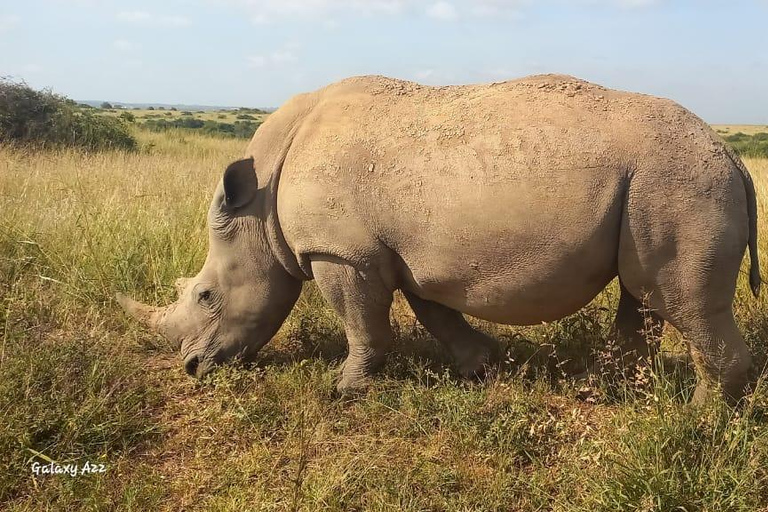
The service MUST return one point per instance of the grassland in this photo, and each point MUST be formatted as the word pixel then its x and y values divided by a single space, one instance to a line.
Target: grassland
pixel 80 382
pixel 749 129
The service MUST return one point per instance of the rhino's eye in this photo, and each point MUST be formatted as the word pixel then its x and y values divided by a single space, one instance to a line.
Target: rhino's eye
pixel 204 297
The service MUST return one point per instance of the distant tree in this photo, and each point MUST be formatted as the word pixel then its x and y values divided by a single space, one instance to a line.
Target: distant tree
pixel 174 109
pixel 150 107
pixel 106 105
pixel 160 108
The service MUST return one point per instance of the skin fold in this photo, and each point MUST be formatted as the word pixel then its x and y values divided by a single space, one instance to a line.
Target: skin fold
pixel 515 202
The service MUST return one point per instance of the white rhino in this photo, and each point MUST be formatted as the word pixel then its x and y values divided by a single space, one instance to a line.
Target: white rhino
pixel 516 202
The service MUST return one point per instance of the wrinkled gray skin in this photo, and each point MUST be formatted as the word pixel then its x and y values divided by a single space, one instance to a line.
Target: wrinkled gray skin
pixel 515 202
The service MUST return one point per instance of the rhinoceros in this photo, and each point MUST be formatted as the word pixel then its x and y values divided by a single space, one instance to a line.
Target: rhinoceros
pixel 515 202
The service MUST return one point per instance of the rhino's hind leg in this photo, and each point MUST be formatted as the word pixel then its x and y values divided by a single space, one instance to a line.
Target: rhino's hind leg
pixel 686 264
pixel 363 303
pixel 471 349
pixel 637 328
pixel 721 356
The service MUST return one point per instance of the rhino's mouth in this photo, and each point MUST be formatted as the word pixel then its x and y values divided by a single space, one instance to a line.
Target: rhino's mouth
pixel 198 367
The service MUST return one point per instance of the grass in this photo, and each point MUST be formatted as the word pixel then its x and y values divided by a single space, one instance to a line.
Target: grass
pixel 142 114
pixel 80 382
pixel 730 129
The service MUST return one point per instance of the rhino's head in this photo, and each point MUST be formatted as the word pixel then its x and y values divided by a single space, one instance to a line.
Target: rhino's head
pixel 242 295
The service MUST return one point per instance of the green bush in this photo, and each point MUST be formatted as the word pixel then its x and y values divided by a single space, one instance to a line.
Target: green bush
pixel 42 118
pixel 238 129
pixel 754 146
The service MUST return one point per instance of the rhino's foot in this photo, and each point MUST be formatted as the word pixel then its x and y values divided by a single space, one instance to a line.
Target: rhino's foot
pixel 352 386
pixel 473 360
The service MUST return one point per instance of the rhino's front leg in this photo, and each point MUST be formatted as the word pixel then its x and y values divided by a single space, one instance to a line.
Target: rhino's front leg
pixel 362 301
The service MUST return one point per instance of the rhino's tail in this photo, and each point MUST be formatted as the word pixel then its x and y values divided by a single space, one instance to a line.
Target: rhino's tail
pixel 749 186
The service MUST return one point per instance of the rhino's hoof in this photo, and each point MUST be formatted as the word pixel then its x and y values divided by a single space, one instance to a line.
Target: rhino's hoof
pixel 352 387
pixel 476 364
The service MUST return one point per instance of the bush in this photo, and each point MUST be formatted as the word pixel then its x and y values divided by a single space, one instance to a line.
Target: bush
pixel 754 146
pixel 244 110
pixel 106 105
pixel 240 129
pixel 41 118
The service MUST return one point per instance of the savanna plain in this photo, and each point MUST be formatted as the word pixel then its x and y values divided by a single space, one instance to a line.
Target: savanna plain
pixel 80 382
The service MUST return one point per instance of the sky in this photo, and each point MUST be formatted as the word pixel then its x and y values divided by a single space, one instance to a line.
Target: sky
pixel 709 55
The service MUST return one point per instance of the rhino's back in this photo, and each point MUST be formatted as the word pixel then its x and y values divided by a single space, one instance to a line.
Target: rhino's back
pixel 496 198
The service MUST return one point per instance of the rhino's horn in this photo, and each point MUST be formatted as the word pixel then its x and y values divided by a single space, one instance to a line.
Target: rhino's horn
pixel 148 315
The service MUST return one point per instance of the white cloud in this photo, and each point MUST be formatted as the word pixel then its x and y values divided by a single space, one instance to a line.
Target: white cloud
pixel 269 11
pixel 8 22
pixel 442 11
pixel 146 18
pixel 623 4
pixel 507 8
pixel 281 56
pixel 331 24
pixel 257 61
pixel 176 21
pixel 124 45
pixel 635 3
pixel 134 16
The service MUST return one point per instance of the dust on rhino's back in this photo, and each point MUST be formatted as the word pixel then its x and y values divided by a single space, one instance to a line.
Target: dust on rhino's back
pixel 506 194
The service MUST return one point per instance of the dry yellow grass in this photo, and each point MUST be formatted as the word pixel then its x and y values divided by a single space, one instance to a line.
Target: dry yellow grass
pixel 748 129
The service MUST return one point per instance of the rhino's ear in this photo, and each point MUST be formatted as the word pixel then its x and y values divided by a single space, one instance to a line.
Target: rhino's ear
pixel 240 183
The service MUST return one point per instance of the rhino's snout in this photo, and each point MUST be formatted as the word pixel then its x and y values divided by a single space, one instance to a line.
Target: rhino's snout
pixel 197 367
pixel 191 365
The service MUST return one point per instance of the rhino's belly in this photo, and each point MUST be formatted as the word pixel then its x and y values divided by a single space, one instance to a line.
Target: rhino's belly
pixel 520 289
pixel 522 271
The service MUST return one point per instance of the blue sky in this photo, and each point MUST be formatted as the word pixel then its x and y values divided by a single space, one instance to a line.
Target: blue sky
pixel 711 56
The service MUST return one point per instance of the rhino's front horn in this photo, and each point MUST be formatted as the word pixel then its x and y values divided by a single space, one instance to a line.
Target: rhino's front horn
pixel 147 315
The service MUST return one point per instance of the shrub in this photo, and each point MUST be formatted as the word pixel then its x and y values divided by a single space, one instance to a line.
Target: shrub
pixel 106 105
pixel 42 118
pixel 240 129
pixel 754 146
pixel 244 110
